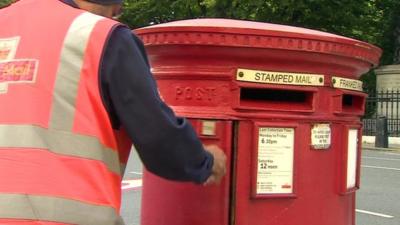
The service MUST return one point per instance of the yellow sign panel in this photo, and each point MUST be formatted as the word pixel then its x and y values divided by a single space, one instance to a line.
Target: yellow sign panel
pixel 345 83
pixel 285 78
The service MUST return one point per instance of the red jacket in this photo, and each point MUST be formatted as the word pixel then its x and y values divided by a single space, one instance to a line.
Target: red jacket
pixel 60 160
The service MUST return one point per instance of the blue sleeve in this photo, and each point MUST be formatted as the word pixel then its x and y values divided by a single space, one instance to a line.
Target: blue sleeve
pixel 167 145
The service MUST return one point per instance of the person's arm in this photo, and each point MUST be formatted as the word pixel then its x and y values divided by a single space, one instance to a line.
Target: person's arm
pixel 167 145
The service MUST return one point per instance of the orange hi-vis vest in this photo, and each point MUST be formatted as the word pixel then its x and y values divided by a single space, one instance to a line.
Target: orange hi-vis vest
pixel 61 162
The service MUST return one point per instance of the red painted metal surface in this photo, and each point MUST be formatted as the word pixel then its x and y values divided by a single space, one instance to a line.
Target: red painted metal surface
pixel 196 63
pixel 185 203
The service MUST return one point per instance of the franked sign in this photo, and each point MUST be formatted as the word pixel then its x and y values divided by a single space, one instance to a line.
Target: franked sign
pixel 275 160
pixel 17 71
pixel 345 83
pixel 285 78
pixel 8 48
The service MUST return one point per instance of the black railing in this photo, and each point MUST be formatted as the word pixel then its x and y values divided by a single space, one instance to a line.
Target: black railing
pixel 382 104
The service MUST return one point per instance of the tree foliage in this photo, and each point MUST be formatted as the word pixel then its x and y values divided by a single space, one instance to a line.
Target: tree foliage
pixel 367 20
pixel 390 27
pixel 373 21
pixel 4 3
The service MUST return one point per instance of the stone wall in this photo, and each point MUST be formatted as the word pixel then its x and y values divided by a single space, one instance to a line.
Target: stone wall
pixel 388 80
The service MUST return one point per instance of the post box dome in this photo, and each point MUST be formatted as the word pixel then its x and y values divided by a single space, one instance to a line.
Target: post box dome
pixel 228 32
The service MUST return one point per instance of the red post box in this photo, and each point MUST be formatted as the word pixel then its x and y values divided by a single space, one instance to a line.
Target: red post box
pixel 283 102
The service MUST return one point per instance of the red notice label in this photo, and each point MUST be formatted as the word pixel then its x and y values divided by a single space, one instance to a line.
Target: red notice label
pixel 17 72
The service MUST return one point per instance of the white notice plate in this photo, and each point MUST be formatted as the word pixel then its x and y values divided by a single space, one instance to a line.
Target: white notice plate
pixel 321 136
pixel 352 158
pixel 8 48
pixel 275 160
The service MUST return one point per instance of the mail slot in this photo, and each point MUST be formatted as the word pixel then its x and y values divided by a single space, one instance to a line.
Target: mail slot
pixel 285 105
pixel 277 99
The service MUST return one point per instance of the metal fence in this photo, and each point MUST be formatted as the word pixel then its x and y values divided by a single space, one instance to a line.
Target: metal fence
pixel 379 104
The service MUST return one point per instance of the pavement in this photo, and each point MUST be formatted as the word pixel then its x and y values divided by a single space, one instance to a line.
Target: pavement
pixel 132 191
pixel 378 200
pixel 392 147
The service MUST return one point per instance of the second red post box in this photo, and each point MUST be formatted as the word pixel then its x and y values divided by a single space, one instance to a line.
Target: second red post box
pixel 283 102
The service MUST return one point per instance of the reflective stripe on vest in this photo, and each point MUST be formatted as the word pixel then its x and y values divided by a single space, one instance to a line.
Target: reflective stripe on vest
pixel 67 79
pixel 59 142
pixel 33 207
